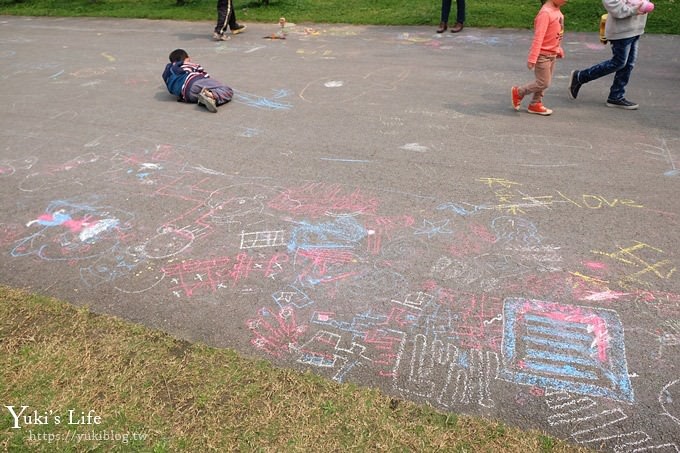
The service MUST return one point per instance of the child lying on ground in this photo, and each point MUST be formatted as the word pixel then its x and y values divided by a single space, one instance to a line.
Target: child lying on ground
pixel 190 83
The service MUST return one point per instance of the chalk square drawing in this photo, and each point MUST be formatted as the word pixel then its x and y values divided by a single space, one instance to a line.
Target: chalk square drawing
pixel 416 300
pixel 293 296
pixel 565 347
pixel 260 239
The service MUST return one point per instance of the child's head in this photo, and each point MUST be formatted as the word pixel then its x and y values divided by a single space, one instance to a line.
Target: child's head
pixel 178 55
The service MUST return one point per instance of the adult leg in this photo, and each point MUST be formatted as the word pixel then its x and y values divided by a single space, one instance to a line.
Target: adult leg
pixel 444 16
pixel 232 16
pixel 223 9
pixel 460 11
pixel 234 26
pixel 460 16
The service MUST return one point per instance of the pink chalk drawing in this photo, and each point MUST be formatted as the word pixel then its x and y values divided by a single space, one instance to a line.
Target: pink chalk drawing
pixel 193 277
pixel 320 199
pixel 276 333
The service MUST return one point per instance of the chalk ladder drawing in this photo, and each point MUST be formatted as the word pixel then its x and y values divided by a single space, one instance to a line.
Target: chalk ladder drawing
pixel 565 347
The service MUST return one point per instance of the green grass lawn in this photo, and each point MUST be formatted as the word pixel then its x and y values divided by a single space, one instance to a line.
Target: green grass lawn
pixel 580 15
pixel 155 393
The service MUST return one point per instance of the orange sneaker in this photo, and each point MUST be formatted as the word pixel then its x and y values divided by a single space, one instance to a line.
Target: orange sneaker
pixel 516 98
pixel 539 109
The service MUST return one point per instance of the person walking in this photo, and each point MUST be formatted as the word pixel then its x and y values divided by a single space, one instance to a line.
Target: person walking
pixel 625 24
pixel 546 47
pixel 460 16
pixel 226 18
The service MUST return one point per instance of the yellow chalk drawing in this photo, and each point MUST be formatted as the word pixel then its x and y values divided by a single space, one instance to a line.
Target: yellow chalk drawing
pixel 630 256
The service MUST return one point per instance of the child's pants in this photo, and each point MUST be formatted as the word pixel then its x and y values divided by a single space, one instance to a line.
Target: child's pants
pixel 543 72
pixel 221 92
pixel 624 56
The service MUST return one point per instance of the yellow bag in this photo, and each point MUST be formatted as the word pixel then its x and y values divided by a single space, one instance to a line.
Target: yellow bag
pixel 603 21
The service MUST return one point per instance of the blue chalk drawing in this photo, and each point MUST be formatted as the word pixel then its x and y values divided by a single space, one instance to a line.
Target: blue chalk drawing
pixel 262 102
pixel 432 228
pixel 344 232
pixel 459 209
pixel 565 347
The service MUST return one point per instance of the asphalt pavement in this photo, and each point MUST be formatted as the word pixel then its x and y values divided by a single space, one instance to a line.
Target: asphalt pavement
pixel 368 207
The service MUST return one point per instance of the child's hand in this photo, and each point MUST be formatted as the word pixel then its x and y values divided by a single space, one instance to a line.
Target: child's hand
pixel 531 65
pixel 560 53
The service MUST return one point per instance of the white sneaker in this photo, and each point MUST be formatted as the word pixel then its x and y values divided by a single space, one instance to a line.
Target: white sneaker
pixel 221 37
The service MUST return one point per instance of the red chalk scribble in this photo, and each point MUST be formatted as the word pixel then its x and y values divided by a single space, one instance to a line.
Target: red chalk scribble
pixel 276 333
pixel 192 277
pixel 320 199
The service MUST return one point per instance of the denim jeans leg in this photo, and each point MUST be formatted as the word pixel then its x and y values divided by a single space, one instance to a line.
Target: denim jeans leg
pixel 446 10
pixel 621 48
pixel 460 11
pixel 622 76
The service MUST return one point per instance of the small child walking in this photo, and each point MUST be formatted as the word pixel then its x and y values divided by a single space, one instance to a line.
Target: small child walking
pixel 191 83
pixel 545 48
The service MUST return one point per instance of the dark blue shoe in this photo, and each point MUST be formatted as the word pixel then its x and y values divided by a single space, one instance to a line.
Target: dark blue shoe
pixel 574 86
pixel 622 103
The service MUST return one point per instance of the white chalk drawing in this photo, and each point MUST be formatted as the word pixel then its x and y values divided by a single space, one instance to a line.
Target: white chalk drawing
pixel 669 399
pixel 664 152
pixel 596 427
pixel 168 242
pixel 259 239
pixel 428 368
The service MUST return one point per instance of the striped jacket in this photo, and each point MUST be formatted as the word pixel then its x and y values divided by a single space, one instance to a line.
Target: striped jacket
pixel 180 75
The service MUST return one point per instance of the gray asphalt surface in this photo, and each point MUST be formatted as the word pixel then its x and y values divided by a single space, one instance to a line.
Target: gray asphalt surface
pixel 368 207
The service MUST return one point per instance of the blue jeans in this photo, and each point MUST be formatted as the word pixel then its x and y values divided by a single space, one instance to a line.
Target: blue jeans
pixel 624 55
pixel 460 11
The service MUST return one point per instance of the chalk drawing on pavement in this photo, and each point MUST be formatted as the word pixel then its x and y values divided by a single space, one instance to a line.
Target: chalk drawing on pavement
pixel 590 424
pixel 468 372
pixel 644 263
pixel 568 347
pixel 669 399
pixel 664 152
pixel 70 230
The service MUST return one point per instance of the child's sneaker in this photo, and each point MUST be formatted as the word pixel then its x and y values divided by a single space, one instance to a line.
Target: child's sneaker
pixel 206 100
pixel 238 29
pixel 574 84
pixel 622 103
pixel 539 109
pixel 516 98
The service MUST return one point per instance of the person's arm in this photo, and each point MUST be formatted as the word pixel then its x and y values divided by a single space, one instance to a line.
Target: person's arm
pixel 192 67
pixel 560 50
pixel 619 9
pixel 540 27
